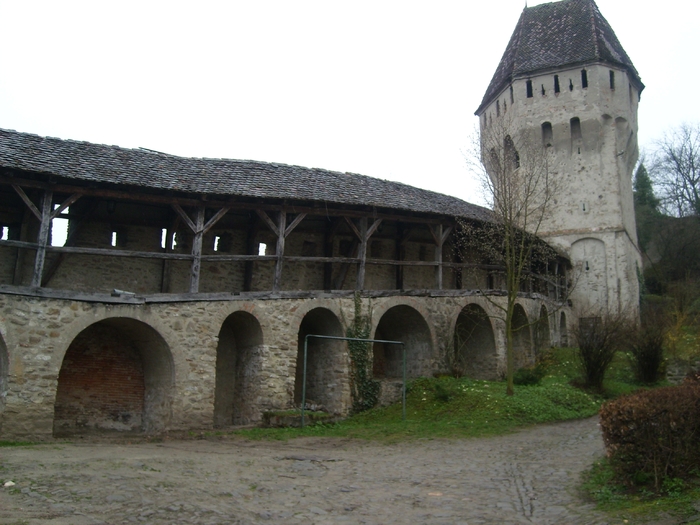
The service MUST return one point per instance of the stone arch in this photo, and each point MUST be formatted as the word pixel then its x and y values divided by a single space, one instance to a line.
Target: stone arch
pixel 117 375
pixel 238 366
pixel 406 324
pixel 522 340
pixel 563 332
pixel 588 256
pixel 543 339
pixel 475 344
pixel 327 381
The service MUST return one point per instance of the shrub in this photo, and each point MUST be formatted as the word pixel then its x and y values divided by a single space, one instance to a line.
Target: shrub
pixel 598 339
pixel 654 435
pixel 646 344
pixel 532 375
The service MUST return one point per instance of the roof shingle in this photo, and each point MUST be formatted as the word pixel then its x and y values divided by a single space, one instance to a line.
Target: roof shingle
pixel 555 35
pixel 86 162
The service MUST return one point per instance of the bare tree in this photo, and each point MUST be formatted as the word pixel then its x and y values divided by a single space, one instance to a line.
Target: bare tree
pixel 676 170
pixel 513 168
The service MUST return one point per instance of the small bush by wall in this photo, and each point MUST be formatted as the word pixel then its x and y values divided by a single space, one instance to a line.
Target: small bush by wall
pixel 654 435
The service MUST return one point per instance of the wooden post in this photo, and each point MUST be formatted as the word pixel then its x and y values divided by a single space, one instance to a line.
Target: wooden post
pixel 399 254
pixel 251 249
pixel 279 250
pixel 19 261
pixel 43 237
pixel 439 236
pixel 362 253
pixel 197 250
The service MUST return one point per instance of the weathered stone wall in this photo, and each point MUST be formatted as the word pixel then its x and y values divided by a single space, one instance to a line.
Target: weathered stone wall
pixel 190 353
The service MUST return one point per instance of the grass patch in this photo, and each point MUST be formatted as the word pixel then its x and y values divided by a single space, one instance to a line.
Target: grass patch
pixel 679 499
pixel 16 443
pixel 449 407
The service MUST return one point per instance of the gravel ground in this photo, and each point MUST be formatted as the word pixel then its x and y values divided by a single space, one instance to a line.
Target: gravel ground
pixel 527 477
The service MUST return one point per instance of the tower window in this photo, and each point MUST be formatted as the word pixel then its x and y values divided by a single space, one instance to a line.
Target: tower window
pixel 505 106
pixel 547 135
pixel 556 84
pixel 612 79
pixel 571 85
pixel 511 94
pixel 262 248
pixel 528 85
pixel 575 128
pixel 543 91
pixel 584 78
pixel 217 239
pixel 498 108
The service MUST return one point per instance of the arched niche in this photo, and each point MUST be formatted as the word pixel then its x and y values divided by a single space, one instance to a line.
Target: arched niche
pixel 117 375
pixel 402 323
pixel 474 344
pixel 327 381
pixel 589 258
pixel 543 339
pixel 238 367
pixel 522 341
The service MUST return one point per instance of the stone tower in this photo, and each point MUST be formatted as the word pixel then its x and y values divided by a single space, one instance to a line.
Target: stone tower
pixel 566 81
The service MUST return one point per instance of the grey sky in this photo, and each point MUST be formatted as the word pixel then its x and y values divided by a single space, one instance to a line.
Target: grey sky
pixel 384 88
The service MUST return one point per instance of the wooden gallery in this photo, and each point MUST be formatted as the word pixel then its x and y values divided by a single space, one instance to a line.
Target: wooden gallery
pixel 144 292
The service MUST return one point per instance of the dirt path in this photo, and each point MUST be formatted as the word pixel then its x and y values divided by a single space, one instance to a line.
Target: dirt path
pixel 528 477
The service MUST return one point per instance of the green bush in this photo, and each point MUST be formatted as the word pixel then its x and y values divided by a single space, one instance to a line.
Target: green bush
pixel 532 375
pixel 646 344
pixel 598 339
pixel 653 436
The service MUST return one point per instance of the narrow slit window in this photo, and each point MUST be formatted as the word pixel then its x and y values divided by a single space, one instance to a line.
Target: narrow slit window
pixel 547 134
pixel 498 108
pixel 176 239
pixel 612 79
pixel 512 101
pixel 5 233
pixel 163 237
pixel 114 239
pixel 587 266
pixel 217 238
pixel 575 128
pixel 528 86
pixel 556 84
pixel 543 91
pixel 584 78
pixel 262 248
pixel 505 106
pixel 59 228
pixel 571 85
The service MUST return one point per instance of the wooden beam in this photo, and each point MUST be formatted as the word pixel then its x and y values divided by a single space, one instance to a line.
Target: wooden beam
pixel 19 260
pixel 27 201
pixel 191 225
pixel 70 200
pixel 362 253
pixel 251 249
pixel 42 238
pixel 169 247
pixel 266 219
pixel 399 254
pixel 216 218
pixel 74 230
pixel 196 266
pixel 294 224
pixel 354 228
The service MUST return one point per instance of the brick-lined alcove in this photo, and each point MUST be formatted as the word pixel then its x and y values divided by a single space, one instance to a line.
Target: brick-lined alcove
pixel 116 375
pixel 327 366
pixel 475 344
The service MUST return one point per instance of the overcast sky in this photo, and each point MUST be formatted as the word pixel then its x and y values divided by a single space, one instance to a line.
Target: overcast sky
pixel 383 88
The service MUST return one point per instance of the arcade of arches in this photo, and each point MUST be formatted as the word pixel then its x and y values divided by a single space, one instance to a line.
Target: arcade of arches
pixel 70 367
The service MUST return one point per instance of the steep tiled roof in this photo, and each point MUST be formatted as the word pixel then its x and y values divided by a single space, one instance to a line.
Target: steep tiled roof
pixel 554 35
pixel 88 163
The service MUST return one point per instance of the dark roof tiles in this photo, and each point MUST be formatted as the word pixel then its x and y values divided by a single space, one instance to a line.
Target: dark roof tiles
pixel 554 35
pixel 86 162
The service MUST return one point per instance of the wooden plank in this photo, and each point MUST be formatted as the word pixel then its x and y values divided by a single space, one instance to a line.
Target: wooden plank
pixel 115 253
pixel 70 200
pixel 76 227
pixel 196 266
pixel 42 238
pixel 191 225
pixel 294 224
pixel 27 201
pixel 354 228
pixel 216 218
pixel 137 196
pixel 373 228
pixel 342 274
pixel 266 219
pixel 279 252
pixel 251 249
pixel 399 254
pixel 169 247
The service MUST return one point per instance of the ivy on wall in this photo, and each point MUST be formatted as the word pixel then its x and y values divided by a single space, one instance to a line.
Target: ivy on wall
pixel 364 389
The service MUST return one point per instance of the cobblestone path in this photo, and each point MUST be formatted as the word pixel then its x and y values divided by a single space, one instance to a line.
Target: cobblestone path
pixel 527 477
